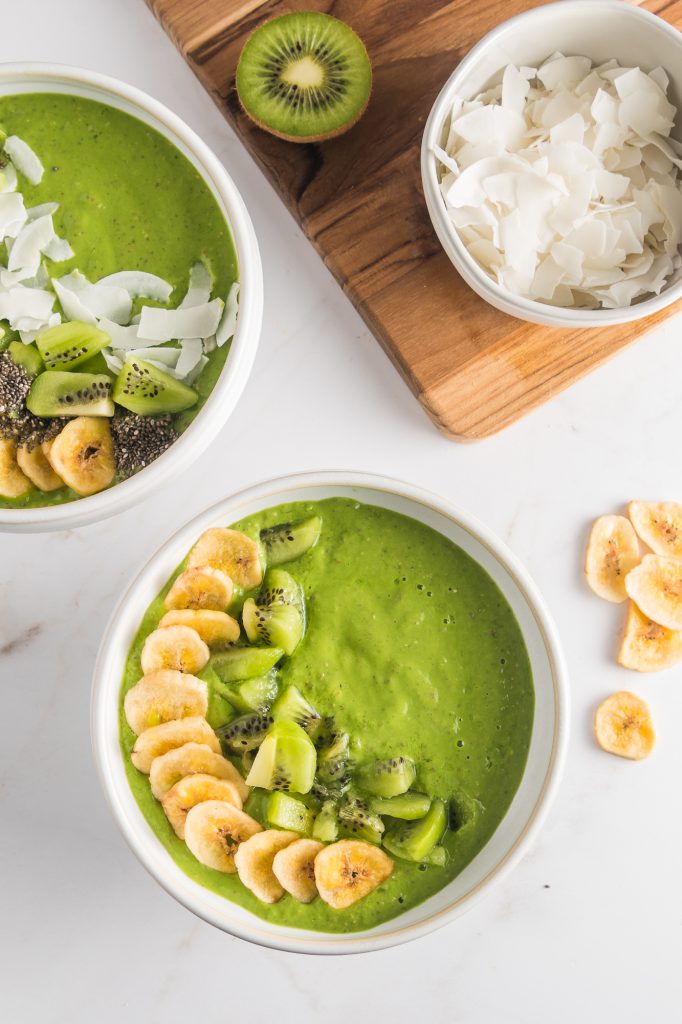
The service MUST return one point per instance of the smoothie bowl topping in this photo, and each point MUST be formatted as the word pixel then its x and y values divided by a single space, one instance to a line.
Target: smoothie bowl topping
pixel 118 297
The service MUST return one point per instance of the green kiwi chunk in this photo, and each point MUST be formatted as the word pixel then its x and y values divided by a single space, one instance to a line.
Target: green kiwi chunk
pixel 388 778
pixel 69 344
pixel 149 391
pixel 304 76
pixel 27 356
pixel 406 806
pixel 415 840
pixel 292 706
pixel 326 824
pixel 244 733
pixel 255 694
pixel 285 761
pixel 220 711
pixel 245 662
pixel 287 541
pixel 62 393
pixel 280 587
pixel 278 625
pixel 437 857
pixel 333 757
pixel 284 811
pixel 357 819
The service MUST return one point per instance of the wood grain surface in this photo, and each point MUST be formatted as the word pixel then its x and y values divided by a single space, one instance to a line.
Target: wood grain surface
pixel 359 200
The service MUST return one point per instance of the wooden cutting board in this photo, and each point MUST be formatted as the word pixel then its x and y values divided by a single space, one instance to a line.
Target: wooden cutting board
pixel 359 200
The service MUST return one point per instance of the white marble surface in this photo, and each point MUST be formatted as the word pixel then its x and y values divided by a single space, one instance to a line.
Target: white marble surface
pixel 589 926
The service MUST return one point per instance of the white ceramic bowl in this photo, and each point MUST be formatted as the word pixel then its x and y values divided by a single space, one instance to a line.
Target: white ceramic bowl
pixel 548 742
pixel 599 29
pixel 21 78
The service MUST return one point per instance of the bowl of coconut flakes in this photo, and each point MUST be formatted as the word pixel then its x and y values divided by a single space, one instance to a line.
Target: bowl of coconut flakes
pixel 552 165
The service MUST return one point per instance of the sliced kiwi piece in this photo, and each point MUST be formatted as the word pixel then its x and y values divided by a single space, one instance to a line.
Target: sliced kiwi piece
pixel 388 778
pixel 255 694
pixel 415 840
pixel 280 587
pixel 287 541
pixel 304 76
pixel 326 824
pixel 437 857
pixel 27 356
pixel 357 819
pixel 292 706
pixel 69 344
pixel 406 806
pixel 285 761
pixel 277 625
pixel 245 662
pixel 332 756
pixel 284 811
pixel 62 393
pixel 244 733
pixel 220 711
pixel 148 391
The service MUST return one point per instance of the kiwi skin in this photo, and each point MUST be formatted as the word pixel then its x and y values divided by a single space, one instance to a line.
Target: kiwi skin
pixel 325 136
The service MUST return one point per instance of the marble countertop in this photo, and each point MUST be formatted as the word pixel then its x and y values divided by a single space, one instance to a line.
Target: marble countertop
pixel 588 927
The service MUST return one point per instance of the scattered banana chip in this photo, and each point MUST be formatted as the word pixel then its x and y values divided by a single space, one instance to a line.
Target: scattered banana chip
pixel 214 831
pixel 217 629
pixel 35 465
pixel 83 455
pixel 254 860
pixel 163 696
pixel 612 551
pixel 348 870
pixel 655 586
pixel 646 646
pixel 192 759
pixel 232 552
pixel 659 524
pixel 154 742
pixel 201 587
pixel 175 647
pixel 193 790
pixel 294 869
pixel 13 483
pixel 623 726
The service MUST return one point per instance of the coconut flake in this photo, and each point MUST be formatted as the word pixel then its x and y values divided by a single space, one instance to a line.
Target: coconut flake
pixel 24 159
pixel 138 284
pixel 169 324
pixel 13 214
pixel 30 243
pixel 99 300
pixel 58 250
pixel 124 339
pixel 228 323
pixel 200 284
pixel 8 178
pixel 20 304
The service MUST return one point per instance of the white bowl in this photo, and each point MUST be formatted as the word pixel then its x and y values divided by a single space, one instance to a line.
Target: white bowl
pixel 548 740
pixel 599 29
pixel 21 78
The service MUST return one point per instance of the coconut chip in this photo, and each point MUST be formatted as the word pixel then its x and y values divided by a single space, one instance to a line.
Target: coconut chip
pixel 200 284
pixel 138 283
pixel 228 323
pixel 168 324
pixel 24 159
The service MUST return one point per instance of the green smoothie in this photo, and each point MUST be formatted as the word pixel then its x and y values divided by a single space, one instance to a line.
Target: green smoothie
pixel 414 650
pixel 128 199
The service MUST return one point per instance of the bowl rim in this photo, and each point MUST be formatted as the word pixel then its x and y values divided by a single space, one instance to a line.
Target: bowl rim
pixel 497 295
pixel 234 375
pixel 325 943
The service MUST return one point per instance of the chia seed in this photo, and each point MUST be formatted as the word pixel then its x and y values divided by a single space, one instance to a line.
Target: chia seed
pixel 139 440
pixel 16 422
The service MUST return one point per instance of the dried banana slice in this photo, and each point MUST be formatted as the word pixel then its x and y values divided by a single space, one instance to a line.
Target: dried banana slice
pixel 254 863
pixel 164 696
pixel 193 790
pixel 214 831
pixel 348 870
pixel 35 465
pixel 623 726
pixel 156 741
pixel 83 455
pixel 13 483
pixel 646 646
pixel 232 552
pixel 294 869
pixel 659 524
pixel 612 551
pixel 175 647
pixel 655 586
pixel 193 759
pixel 217 629
pixel 202 587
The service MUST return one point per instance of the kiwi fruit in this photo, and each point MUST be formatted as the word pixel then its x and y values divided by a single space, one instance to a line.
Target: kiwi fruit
pixel 292 706
pixel 436 857
pixel 244 733
pixel 279 625
pixel 288 541
pixel 304 77
pixel 285 761
pixel 326 824
pixel 255 694
pixel 148 391
pixel 332 758
pixel 62 393
pixel 357 819
pixel 279 587
pixel 406 806
pixel 70 344
pixel 284 811
pixel 245 662
pixel 414 840
pixel 27 356
pixel 388 778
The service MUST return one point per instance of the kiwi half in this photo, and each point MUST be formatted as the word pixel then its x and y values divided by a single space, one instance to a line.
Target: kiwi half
pixel 63 393
pixel 148 391
pixel 304 76
pixel 70 344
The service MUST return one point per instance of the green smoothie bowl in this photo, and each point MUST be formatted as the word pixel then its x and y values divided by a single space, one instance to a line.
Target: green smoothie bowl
pixel 130 296
pixel 330 713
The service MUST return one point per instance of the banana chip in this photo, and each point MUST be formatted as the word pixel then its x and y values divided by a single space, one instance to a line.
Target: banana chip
pixel 231 551
pixel 200 587
pixel 254 860
pixel 623 726
pixel 347 871
pixel 655 586
pixel 659 524
pixel 612 551
pixel 217 629
pixel 646 646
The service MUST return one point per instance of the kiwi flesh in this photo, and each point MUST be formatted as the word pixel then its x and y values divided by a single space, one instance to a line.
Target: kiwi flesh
pixel 27 356
pixel 147 390
pixel 292 706
pixel 244 733
pixel 62 393
pixel 304 76
pixel 284 811
pixel 326 824
pixel 288 541
pixel 70 344
pixel 406 806
pixel 245 662
pixel 255 694
pixel 285 761
pixel 279 625
pixel 388 778
pixel 358 820
pixel 414 840
pixel 279 587
pixel 332 757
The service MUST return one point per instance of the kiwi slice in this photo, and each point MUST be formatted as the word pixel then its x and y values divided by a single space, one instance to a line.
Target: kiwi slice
pixel 279 587
pixel 220 711
pixel 279 625
pixel 245 662
pixel 285 761
pixel 146 390
pixel 388 778
pixel 68 345
pixel 284 811
pixel 304 76
pixel 292 706
pixel 332 757
pixel 27 356
pixel 255 694
pixel 415 840
pixel 61 393
pixel 245 733
pixel 437 857
pixel 287 541
pixel 406 806
pixel 357 819
pixel 326 824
